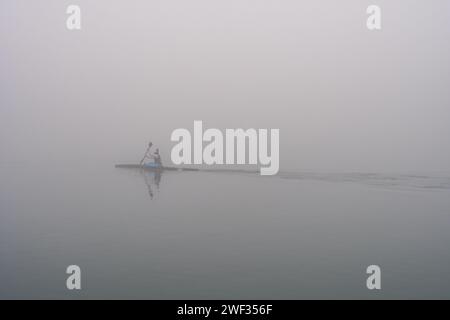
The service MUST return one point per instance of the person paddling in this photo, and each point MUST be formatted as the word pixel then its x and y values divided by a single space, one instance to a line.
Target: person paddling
pixel 157 158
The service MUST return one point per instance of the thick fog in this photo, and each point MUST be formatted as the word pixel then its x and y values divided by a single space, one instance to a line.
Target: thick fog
pixel 343 97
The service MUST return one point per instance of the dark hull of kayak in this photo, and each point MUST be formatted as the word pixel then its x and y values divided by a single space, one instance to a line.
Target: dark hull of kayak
pixel 160 169
pixel 149 168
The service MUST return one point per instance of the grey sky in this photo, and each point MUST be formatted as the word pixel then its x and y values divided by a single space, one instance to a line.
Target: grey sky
pixel 344 98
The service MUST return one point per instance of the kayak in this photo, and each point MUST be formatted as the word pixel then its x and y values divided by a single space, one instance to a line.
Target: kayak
pixel 157 168
pixel 153 167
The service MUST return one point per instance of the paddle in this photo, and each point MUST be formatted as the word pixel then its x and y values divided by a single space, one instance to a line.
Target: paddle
pixel 146 153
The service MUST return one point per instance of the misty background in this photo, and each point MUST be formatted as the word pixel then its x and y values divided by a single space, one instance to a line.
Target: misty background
pixel 364 149
pixel 343 97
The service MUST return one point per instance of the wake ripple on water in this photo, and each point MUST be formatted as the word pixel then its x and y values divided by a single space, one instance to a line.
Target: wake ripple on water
pixel 401 181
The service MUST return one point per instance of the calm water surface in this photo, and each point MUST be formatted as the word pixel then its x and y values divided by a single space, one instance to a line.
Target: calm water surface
pixel 189 235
